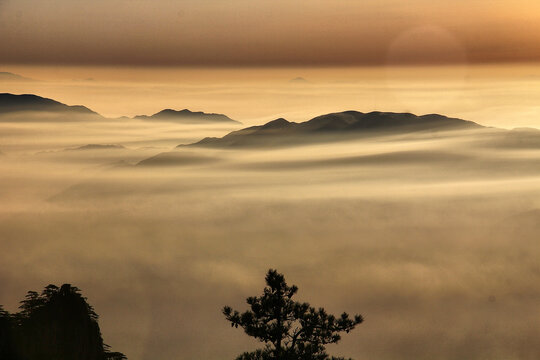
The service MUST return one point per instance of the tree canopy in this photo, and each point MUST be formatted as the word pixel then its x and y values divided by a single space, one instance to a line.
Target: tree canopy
pixel 56 324
pixel 291 330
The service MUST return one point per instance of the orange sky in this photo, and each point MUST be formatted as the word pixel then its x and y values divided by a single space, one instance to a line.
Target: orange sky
pixel 268 32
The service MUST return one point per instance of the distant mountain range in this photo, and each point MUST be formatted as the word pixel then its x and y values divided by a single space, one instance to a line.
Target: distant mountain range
pixel 338 126
pixel 187 116
pixel 335 126
pixel 12 104
pixel 332 127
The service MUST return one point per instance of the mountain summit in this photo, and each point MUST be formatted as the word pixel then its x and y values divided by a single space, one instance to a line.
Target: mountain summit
pixel 188 117
pixel 336 126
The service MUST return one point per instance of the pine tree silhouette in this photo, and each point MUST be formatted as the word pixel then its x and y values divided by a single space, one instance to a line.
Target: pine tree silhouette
pixel 291 330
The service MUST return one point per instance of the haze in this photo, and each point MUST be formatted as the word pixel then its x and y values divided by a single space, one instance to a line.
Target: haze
pixel 271 33
pixel 432 237
pixel 498 95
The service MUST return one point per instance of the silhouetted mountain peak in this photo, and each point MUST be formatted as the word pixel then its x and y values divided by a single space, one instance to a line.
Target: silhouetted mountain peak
pixel 335 127
pixel 377 120
pixel 276 124
pixel 187 116
pixel 171 112
pixel 11 103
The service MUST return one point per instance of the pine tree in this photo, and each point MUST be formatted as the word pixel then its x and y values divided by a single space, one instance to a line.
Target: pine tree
pixel 291 330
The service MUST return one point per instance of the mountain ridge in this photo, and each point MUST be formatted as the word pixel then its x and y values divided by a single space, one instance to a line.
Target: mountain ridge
pixel 187 116
pixel 13 103
pixel 335 126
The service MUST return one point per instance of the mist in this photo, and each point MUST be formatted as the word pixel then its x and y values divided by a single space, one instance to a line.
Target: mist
pixel 431 249
pixel 493 95
pixel 431 236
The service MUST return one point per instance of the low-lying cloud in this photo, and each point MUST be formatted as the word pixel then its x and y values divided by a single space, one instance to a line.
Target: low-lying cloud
pixel 431 239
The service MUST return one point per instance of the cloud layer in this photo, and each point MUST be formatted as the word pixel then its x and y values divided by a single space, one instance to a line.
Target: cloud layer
pixel 435 247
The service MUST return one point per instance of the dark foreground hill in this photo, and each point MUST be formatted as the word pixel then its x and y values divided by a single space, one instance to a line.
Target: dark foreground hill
pixel 27 103
pixel 188 117
pixel 56 324
pixel 335 126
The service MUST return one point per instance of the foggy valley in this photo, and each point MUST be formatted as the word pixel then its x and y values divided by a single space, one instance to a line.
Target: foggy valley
pixel 430 232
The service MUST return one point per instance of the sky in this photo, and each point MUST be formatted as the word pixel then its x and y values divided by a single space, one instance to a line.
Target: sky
pixel 268 33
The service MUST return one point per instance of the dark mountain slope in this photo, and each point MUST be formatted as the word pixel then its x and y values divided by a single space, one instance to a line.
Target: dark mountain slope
pixel 10 103
pixel 336 126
